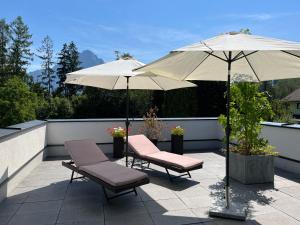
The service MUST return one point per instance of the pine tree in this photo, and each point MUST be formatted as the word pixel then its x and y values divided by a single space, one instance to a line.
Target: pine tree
pixel 73 65
pixel 46 55
pixel 4 41
pixel 63 69
pixel 20 54
pixel 68 61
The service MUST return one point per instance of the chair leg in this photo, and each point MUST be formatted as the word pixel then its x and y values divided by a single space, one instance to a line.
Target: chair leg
pixel 134 189
pixel 188 172
pixel 133 160
pixel 71 180
pixel 148 165
pixel 170 178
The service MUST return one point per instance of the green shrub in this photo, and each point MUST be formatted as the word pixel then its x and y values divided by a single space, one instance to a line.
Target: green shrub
pixel 17 103
pixel 249 108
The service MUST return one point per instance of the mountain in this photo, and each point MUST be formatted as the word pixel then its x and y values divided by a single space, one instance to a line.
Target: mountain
pixel 86 57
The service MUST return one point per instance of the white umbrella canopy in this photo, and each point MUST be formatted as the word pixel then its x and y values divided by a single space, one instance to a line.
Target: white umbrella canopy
pixel 216 59
pixel 112 76
pixel 261 58
pixel 117 75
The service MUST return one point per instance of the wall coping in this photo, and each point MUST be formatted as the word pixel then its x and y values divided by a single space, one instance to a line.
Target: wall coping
pixel 21 128
pixel 131 119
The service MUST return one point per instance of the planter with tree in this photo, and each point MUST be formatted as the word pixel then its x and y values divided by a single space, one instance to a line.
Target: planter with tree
pixel 177 140
pixel 152 127
pixel 252 158
pixel 118 135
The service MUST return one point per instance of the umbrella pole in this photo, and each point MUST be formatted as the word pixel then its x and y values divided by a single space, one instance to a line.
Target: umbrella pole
pixel 227 210
pixel 228 132
pixel 127 121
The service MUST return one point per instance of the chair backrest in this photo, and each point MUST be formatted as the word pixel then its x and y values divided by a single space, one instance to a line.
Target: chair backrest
pixel 141 145
pixel 85 152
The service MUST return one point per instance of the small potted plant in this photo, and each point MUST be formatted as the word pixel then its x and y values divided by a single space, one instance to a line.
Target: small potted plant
pixel 152 127
pixel 177 140
pixel 251 157
pixel 118 134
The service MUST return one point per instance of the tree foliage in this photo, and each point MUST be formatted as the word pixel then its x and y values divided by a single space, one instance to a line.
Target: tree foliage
pixel 68 61
pixel 17 102
pixel 46 55
pixel 4 42
pixel 249 108
pixel 20 54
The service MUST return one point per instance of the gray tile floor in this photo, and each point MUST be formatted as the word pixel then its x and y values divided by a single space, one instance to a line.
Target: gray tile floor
pixel 46 197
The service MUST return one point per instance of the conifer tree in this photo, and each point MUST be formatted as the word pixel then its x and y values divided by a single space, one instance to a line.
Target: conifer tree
pixel 20 54
pixel 4 41
pixel 63 69
pixel 46 55
pixel 73 65
pixel 68 61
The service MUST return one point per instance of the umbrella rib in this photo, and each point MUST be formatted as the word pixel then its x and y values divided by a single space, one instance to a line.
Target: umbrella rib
pixel 225 55
pixel 157 83
pixel 196 66
pixel 115 83
pixel 289 53
pixel 211 53
pixel 250 66
pixel 237 55
pixel 244 55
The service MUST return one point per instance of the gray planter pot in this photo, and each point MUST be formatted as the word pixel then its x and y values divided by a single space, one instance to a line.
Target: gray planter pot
pixel 251 169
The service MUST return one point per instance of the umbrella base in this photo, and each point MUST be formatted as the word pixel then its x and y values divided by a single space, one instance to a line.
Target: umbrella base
pixel 234 211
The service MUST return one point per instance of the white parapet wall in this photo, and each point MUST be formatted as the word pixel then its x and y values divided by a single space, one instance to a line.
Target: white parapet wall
pixel 21 149
pixel 285 138
pixel 200 133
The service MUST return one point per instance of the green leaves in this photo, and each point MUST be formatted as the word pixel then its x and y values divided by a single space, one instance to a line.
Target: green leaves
pixel 17 103
pixel 249 108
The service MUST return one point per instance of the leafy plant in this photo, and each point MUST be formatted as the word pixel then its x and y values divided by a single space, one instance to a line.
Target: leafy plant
pixel 282 111
pixel 177 131
pixel 152 127
pixel 249 108
pixel 117 132
pixel 17 102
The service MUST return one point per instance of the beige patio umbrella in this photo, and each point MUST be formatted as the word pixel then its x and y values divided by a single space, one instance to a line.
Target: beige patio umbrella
pixel 118 75
pixel 217 58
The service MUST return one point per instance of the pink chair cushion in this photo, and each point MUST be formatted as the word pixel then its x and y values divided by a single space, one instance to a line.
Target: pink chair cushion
pixel 141 145
pixel 85 152
pixel 114 174
pixel 180 161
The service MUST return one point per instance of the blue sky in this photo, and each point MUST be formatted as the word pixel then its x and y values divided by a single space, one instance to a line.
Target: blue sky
pixel 149 29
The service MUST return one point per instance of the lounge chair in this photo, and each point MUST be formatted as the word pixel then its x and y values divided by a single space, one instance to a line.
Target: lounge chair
pixel 89 161
pixel 145 150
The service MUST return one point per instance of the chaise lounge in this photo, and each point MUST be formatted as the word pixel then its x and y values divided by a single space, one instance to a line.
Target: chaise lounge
pixel 88 160
pixel 145 150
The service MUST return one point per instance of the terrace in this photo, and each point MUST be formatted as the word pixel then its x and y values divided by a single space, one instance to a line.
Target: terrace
pixel 35 188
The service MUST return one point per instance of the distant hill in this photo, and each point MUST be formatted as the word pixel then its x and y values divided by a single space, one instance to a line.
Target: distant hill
pixel 86 57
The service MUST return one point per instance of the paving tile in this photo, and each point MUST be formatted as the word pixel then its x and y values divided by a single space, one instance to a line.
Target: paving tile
pixel 276 218
pixel 43 218
pixel 197 202
pixel 88 214
pixel 8 209
pixel 165 205
pixel 4 219
pixel 124 210
pixel 139 219
pixel 175 217
pixel 293 191
pixel 38 207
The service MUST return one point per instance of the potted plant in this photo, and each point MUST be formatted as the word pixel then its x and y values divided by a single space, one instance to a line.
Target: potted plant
pixel 152 127
pixel 251 157
pixel 177 140
pixel 118 134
